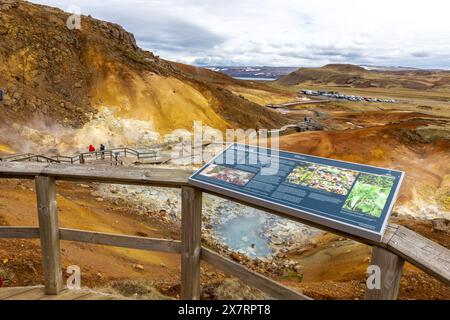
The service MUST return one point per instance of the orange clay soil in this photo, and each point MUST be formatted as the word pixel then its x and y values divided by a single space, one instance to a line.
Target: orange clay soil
pixel 392 146
pixel 335 267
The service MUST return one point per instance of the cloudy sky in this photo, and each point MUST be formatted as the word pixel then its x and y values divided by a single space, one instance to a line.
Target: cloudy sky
pixel 283 32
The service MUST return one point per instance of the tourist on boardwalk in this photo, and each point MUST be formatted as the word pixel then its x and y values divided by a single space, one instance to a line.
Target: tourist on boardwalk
pixel 91 148
pixel 102 149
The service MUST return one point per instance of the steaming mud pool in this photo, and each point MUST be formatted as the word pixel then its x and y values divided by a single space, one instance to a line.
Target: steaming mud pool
pixel 242 229
pixel 245 234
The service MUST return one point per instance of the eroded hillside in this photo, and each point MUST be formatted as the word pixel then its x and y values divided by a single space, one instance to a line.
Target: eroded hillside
pixel 55 75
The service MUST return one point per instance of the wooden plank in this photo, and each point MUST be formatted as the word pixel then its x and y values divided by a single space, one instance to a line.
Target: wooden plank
pixel 391 229
pixel 103 296
pixel 91 173
pixel 425 254
pixel 67 294
pixel 19 232
pixel 49 234
pixel 191 234
pixel 11 291
pixel 96 296
pixel 38 293
pixel 16 170
pixel 152 160
pixel 15 156
pixel 250 277
pixel 33 294
pixel 133 242
pixel 390 267
pixel 122 175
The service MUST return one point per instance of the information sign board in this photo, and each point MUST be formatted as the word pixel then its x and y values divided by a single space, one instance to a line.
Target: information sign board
pixel 345 196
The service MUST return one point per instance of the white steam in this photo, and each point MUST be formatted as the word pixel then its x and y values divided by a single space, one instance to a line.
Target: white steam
pixel 104 128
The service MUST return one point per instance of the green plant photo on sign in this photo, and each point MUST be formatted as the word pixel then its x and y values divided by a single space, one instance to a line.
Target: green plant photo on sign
pixel 369 194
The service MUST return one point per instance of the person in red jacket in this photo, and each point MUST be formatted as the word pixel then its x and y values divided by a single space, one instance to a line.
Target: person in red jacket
pixel 91 148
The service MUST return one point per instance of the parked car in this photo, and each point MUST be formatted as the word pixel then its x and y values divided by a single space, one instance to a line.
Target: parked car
pixel 337 95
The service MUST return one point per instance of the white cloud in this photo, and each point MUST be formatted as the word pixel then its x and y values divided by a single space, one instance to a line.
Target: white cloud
pixel 284 32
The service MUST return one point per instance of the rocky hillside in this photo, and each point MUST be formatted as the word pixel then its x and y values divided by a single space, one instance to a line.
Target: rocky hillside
pixel 60 76
pixel 358 77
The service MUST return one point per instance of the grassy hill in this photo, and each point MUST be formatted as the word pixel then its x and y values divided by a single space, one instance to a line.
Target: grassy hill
pixel 357 77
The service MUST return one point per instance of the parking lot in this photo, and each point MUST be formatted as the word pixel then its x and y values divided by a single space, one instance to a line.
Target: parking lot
pixel 341 96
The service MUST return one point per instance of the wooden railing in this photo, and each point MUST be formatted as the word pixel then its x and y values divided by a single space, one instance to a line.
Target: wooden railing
pixel 111 154
pixel 399 244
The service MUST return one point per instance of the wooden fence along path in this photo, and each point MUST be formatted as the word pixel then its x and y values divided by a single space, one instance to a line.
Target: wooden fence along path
pixel 297 103
pixel 111 154
pixel 398 245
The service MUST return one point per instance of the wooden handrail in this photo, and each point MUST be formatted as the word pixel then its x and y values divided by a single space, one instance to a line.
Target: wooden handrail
pixel 76 157
pixel 425 254
pixel 19 232
pixel 133 242
pixel 16 156
pixel 155 176
pixel 398 243
pixel 250 277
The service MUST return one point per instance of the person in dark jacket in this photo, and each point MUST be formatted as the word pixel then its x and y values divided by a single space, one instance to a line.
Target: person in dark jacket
pixel 102 149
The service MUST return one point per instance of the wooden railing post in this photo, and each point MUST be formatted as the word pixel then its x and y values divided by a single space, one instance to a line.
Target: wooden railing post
pixel 191 222
pixel 49 234
pixel 391 267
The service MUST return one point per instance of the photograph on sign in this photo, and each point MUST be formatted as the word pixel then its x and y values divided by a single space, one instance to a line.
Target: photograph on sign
pixel 369 195
pixel 325 178
pixel 226 174
pixel 344 196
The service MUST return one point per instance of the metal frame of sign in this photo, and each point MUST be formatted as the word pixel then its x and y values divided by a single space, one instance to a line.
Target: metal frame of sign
pixel 319 217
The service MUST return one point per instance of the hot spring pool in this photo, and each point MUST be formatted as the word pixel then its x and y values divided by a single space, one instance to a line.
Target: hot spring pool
pixel 245 234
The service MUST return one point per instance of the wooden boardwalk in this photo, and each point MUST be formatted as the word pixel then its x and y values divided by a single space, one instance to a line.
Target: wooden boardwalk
pixel 296 103
pixel 37 293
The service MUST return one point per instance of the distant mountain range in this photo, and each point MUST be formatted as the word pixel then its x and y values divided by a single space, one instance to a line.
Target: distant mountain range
pixel 347 75
pixel 268 73
pixel 275 73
